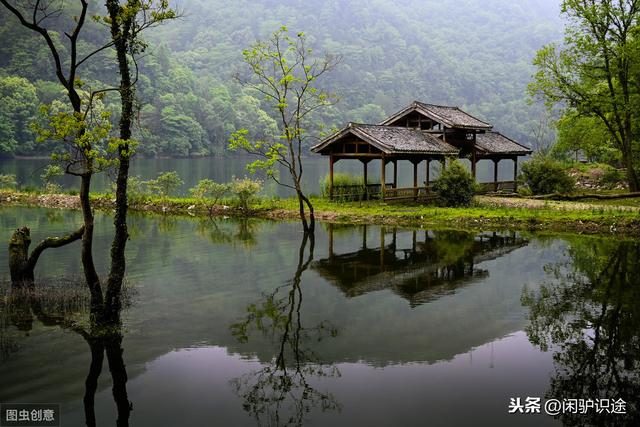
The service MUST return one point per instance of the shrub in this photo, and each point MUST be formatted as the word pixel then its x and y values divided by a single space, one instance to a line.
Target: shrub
pixel 456 185
pixel 612 177
pixel 8 181
pixel 48 175
pixel 137 189
pixel 544 175
pixel 165 184
pixel 211 190
pixel 245 190
pixel 345 186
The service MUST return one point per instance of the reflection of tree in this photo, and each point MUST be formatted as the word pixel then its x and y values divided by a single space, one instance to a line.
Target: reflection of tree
pixel 280 393
pixel 218 232
pixel 591 314
pixel 65 305
pixel 110 343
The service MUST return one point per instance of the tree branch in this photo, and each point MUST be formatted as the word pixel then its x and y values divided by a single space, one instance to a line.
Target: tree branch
pixel 53 242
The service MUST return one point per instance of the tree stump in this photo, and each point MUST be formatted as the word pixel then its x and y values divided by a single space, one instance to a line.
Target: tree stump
pixel 20 270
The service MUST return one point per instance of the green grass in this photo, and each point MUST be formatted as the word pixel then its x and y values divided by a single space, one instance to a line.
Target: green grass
pixel 591 217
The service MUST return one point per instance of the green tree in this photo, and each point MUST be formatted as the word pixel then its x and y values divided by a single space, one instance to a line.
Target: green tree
pixel 285 73
pixel 166 184
pixel 245 190
pixel 597 71
pixel 18 107
pixel 208 189
pixel 86 130
pixel 584 134
pixel 49 175
pixel 38 18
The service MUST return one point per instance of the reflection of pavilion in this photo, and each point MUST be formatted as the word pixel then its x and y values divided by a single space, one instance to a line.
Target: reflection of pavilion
pixel 431 265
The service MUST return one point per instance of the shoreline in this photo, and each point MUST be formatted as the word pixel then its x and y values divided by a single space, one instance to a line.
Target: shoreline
pixel 487 212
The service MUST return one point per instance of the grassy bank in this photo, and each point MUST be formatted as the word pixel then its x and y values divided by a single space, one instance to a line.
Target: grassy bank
pixel 486 212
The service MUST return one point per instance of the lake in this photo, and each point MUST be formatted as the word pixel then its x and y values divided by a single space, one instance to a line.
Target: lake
pixel 223 169
pixel 244 322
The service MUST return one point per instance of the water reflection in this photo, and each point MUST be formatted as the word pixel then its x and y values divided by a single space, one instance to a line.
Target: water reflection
pixel 281 393
pixel 589 313
pixel 221 231
pixel 429 265
pixel 66 305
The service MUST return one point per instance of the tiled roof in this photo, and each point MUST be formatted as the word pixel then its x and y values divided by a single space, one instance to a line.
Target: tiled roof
pixel 451 117
pixel 392 139
pixel 495 142
pixel 405 140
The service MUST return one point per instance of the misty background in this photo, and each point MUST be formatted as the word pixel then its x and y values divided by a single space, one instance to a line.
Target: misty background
pixel 475 54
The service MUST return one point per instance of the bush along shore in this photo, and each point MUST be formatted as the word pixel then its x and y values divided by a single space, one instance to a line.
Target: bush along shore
pixel 485 212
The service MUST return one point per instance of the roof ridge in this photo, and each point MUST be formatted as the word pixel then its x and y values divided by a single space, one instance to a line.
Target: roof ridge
pixel 375 139
pixel 438 105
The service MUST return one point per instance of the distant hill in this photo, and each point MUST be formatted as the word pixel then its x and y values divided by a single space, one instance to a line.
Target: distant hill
pixel 472 53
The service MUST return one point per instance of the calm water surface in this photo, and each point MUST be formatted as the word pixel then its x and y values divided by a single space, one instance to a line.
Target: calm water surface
pixel 242 323
pixel 222 169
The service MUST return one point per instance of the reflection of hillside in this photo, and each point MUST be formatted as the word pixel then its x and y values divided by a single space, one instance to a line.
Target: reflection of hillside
pixel 434 264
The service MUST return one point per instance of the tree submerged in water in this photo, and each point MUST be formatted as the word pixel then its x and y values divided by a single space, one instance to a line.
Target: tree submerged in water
pixel 65 304
pixel 82 128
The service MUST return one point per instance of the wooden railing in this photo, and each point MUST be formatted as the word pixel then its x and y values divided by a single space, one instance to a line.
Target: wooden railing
pixel 424 193
pixel 410 193
pixel 358 192
pixel 490 187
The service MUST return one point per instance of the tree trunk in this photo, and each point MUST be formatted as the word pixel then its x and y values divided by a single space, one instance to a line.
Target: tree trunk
pixel 120 34
pixel 632 176
pixel 21 264
pixel 91 276
pixel 303 217
pixel 19 257
pixel 312 217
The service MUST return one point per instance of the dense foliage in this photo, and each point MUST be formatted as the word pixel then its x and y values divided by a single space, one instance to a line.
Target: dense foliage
pixel 544 175
pixel 594 76
pixel 472 53
pixel 456 186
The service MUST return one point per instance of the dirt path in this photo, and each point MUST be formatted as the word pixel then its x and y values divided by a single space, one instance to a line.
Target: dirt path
pixel 513 202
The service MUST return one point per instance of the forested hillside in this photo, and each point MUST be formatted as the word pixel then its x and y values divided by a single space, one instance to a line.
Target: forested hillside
pixel 472 53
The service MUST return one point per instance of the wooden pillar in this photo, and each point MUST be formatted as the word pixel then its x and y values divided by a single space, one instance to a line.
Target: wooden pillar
pixel 427 174
pixel 515 174
pixel 415 180
pixel 331 161
pixel 383 178
pixel 366 178
pixel 395 174
pixel 495 174
pixel 473 164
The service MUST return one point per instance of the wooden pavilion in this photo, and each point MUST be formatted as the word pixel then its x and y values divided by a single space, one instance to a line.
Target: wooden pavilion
pixel 420 133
